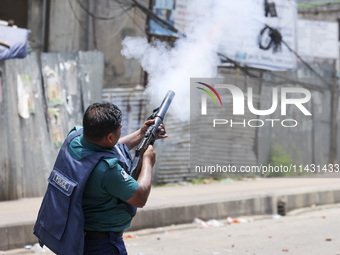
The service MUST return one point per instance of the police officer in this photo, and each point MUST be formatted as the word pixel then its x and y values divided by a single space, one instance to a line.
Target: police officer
pixel 91 197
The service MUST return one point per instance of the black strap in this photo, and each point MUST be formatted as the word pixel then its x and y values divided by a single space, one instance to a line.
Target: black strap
pixel 97 235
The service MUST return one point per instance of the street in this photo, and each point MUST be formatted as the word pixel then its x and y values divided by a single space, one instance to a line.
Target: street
pixel 311 231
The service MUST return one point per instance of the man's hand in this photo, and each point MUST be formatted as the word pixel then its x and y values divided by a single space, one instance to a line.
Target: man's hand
pixel 132 140
pixel 141 195
pixel 148 123
pixel 150 155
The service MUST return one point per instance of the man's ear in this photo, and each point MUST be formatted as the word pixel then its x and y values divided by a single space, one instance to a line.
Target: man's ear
pixel 110 137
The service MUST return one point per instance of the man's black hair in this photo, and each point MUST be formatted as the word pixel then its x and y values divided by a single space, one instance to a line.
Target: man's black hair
pixel 100 119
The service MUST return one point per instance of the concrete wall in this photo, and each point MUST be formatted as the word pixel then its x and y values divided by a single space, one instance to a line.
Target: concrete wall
pixel 35 24
pixel 119 71
pixel 67 27
pixel 323 11
pixel 309 141
pixel 71 28
pixel 330 12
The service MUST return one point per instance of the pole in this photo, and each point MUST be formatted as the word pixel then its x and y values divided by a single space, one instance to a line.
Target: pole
pixel 333 127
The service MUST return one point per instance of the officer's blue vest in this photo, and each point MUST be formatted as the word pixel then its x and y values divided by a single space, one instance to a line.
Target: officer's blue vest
pixel 60 222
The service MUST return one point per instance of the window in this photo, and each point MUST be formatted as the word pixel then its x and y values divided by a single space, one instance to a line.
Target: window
pixel 15 10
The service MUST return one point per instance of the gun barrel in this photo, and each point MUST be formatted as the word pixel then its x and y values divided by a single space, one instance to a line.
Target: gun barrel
pixel 165 104
pixel 153 129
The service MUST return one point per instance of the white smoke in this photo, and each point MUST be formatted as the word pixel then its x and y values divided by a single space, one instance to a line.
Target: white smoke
pixel 195 56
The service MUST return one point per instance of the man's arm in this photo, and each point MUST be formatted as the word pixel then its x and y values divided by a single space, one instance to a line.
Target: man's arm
pixel 132 140
pixel 141 195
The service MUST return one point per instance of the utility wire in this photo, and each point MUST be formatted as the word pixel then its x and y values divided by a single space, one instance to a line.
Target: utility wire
pixel 244 68
pixel 163 23
pixel 76 17
pixel 330 86
pixel 155 18
pixel 101 17
pixel 134 21
pixel 113 7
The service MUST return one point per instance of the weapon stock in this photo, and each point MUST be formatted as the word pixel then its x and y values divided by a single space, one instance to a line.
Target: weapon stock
pixel 150 135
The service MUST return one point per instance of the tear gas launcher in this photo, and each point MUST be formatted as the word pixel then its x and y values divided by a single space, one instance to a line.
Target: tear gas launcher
pixel 151 133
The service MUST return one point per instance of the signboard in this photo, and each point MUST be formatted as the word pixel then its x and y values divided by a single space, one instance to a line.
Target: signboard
pixel 318 39
pixel 244 27
pixel 164 10
pixel 236 27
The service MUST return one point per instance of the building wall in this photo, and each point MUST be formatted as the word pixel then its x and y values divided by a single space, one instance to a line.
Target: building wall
pixel 35 24
pixel 323 10
pixel 71 28
pixel 119 71
pixel 67 27
pixel 329 12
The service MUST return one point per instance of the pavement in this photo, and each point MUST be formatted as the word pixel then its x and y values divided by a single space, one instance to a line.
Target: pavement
pixel 313 230
pixel 180 204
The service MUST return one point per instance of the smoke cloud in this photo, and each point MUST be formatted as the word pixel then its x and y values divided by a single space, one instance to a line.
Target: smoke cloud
pixel 195 56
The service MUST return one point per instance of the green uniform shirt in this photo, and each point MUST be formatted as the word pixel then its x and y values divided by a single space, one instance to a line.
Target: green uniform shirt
pixel 107 185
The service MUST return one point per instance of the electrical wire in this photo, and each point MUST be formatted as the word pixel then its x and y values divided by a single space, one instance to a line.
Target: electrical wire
pixel 134 21
pixel 75 15
pixel 119 29
pixel 292 80
pixel 114 6
pixel 244 68
pixel 101 17
pixel 275 39
pixel 155 18
pixel 223 58
pixel 330 86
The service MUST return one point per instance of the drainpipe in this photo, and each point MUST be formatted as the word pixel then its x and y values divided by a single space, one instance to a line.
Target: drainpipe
pixel 44 26
pixel 90 43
